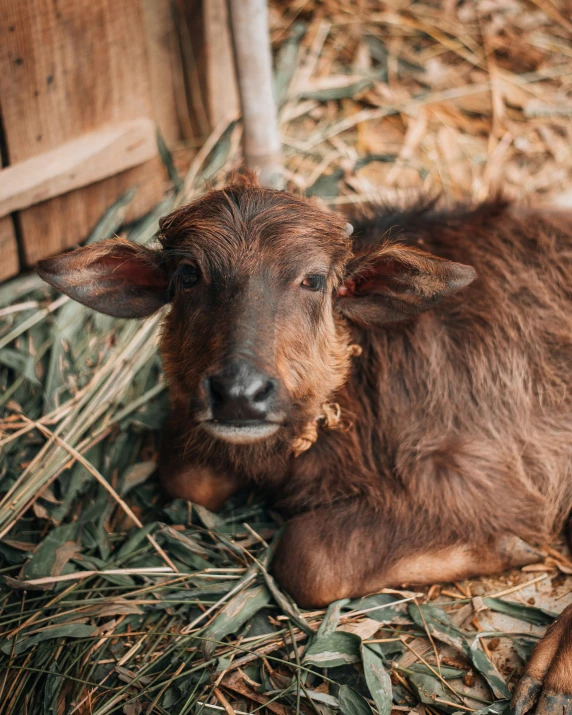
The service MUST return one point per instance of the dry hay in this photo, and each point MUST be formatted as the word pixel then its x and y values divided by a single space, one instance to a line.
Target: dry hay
pixel 115 601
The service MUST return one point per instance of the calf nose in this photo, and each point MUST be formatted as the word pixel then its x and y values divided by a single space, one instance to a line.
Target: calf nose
pixel 240 393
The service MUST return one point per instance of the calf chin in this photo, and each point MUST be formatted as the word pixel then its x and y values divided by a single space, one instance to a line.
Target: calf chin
pixel 240 431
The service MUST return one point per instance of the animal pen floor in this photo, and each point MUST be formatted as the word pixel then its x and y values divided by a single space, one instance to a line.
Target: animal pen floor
pixel 113 600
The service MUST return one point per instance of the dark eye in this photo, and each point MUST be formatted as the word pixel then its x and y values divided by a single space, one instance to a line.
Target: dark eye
pixel 187 275
pixel 314 282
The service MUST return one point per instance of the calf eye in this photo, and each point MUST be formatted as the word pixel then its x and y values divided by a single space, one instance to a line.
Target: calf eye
pixel 314 282
pixel 187 275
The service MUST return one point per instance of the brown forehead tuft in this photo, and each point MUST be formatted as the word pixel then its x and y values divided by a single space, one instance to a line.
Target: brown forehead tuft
pixel 244 213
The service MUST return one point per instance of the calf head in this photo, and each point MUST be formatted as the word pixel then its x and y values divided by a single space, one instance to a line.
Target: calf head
pixel 263 287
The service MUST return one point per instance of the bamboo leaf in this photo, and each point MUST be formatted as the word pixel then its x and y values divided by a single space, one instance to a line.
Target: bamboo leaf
pixel 488 671
pixel 233 615
pixel 440 626
pixel 70 630
pixel 379 607
pixel 524 646
pixel 351 702
pixel 44 561
pixel 530 614
pixel 377 679
pixel 21 362
pixel 334 649
pixel 332 617
pixel 431 691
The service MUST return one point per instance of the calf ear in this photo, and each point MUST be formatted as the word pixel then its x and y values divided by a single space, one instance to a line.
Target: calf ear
pixel 115 277
pixel 397 282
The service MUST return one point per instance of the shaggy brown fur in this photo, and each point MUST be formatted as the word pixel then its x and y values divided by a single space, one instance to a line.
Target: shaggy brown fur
pixel 457 412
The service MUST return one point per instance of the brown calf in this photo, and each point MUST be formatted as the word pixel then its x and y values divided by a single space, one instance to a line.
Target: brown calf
pixel 402 394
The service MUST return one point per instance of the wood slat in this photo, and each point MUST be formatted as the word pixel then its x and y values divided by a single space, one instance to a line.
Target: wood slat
pixel 223 101
pixel 165 70
pixel 79 162
pixel 9 261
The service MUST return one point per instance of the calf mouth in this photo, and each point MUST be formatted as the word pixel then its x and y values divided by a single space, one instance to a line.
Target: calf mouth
pixel 240 431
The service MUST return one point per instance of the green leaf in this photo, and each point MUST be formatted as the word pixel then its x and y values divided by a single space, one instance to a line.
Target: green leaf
pixel 430 691
pixel 524 646
pixel 369 158
pixel 52 688
pixel 14 290
pixel 167 159
pixel 488 671
pixel 326 187
pixel 446 673
pixel 440 626
pixel 285 62
pixel 377 679
pixel 136 475
pixel 218 156
pixel 21 362
pixel 211 521
pixel 70 630
pixel 501 707
pixel 332 618
pixel 44 561
pixel 68 323
pixel 134 542
pixel 530 614
pixel 233 615
pixel 112 218
pixel 327 94
pixel 285 602
pixel 379 607
pixel 339 648
pixel 351 702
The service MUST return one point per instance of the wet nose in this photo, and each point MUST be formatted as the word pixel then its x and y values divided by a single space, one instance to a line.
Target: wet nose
pixel 240 393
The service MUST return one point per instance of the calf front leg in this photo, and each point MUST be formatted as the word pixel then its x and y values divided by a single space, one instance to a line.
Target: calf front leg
pixel 182 479
pixel 346 552
pixel 200 485
pixel 547 681
pixel 546 685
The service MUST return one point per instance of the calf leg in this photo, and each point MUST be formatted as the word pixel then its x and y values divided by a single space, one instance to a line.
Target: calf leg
pixel 546 685
pixel 350 551
pixel 200 485
pixel 547 680
pixel 184 480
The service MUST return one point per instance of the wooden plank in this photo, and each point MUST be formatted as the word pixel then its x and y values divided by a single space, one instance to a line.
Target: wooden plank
pixel 165 69
pixel 68 68
pixel 79 162
pixel 9 261
pixel 222 91
pixel 192 48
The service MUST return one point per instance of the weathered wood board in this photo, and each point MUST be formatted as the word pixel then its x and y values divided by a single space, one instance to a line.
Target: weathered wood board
pixel 79 162
pixel 222 88
pixel 9 262
pixel 68 68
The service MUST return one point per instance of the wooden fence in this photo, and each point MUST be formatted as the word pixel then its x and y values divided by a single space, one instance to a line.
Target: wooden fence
pixel 84 85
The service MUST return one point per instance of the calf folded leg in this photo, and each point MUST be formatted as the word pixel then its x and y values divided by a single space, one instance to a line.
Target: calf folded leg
pixel 200 485
pixel 350 551
pixel 182 479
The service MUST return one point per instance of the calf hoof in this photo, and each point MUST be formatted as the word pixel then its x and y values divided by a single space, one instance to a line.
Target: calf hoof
pixel 546 686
